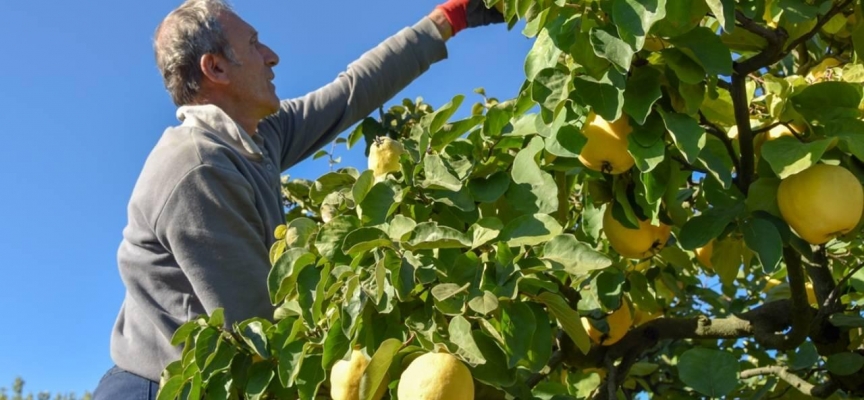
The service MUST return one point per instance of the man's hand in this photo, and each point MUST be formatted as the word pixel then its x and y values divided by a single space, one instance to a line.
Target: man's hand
pixel 463 14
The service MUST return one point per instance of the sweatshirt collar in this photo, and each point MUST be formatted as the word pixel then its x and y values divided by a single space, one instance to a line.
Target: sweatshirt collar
pixel 212 119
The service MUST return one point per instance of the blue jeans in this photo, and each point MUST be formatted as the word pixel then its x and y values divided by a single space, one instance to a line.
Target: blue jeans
pixel 118 384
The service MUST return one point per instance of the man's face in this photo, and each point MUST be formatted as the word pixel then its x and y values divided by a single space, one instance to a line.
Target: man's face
pixel 251 81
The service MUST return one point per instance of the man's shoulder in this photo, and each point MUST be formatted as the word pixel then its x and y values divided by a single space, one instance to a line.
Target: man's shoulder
pixel 180 151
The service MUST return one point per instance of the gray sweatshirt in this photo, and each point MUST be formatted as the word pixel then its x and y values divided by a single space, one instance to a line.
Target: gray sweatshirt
pixel 204 209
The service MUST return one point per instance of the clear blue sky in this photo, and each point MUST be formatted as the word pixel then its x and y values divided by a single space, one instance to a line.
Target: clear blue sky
pixel 82 104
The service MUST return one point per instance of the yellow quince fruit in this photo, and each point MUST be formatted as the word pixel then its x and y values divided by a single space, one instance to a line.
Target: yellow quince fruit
pixel 704 253
pixel 436 376
pixel 619 323
pixel 606 149
pixel 346 377
pixel 821 202
pixel 384 156
pixel 635 243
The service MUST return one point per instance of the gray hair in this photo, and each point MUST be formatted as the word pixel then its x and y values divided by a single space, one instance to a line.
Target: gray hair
pixel 183 37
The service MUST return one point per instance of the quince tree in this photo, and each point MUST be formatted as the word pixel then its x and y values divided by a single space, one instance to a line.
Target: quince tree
pixel 671 206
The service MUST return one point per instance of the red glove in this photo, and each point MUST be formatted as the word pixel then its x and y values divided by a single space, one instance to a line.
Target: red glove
pixel 469 13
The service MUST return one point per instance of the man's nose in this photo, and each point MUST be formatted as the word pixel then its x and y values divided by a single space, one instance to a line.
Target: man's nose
pixel 270 56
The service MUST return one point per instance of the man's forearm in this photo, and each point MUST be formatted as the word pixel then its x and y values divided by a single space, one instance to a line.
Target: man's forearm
pixel 442 23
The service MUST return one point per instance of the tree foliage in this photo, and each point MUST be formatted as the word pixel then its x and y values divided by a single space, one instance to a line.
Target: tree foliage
pixel 493 242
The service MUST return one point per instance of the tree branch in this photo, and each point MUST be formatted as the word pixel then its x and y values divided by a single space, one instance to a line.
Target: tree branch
pixel 834 297
pixel 809 389
pixel 769 55
pixel 554 362
pixel 745 133
pixel 821 21
pixel 802 313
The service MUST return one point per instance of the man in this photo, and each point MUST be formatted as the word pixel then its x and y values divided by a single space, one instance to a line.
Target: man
pixel 204 209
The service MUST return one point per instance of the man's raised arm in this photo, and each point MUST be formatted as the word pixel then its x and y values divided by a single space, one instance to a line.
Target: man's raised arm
pixel 303 125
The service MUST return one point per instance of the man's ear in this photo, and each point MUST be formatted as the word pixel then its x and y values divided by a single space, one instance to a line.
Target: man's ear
pixel 214 69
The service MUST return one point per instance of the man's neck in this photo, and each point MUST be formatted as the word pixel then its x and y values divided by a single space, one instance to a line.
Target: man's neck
pixel 237 113
pixel 249 124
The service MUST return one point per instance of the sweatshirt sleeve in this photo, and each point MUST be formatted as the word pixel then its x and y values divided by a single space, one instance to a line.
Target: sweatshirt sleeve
pixel 210 225
pixel 308 123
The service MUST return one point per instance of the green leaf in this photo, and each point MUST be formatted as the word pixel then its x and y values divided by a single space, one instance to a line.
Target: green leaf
pixel 379 203
pixel 788 156
pixel 540 349
pixel 171 389
pixel 578 259
pixel 688 135
pixel 805 357
pixel 260 376
pixel 376 370
pixel 681 16
pixel 445 291
pixel 328 183
pixel 686 69
pixel 850 132
pixel 184 332
pixel 192 388
pixel 400 226
pixel 307 282
pixel 634 19
pixel 826 101
pixel 205 344
pixel 438 176
pixel 720 110
pixel 741 40
pixel 549 89
pixel 254 334
pixel 491 373
pixel 532 182
pixel 428 235
pixel 290 358
pixel 489 189
pixel 485 231
pixel 298 232
pixel 543 55
pixel 699 230
pixel 763 238
pixel 727 259
pixel 798 11
pixel 332 234
pixel 530 230
pixel 643 90
pixel 485 303
pixel 605 96
pixel 846 320
pixel 713 373
pixel 706 48
pixel 724 11
pixel 452 131
pixel 646 143
pixel 310 376
pixel 607 287
pixel 568 318
pixel 517 326
pixel 567 141
pixel 336 344
pixel 845 364
pixel 437 119
pixel 283 275
pixel 762 196
pixel 607 45
pixel 460 335
pixel 364 240
pixel 220 360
